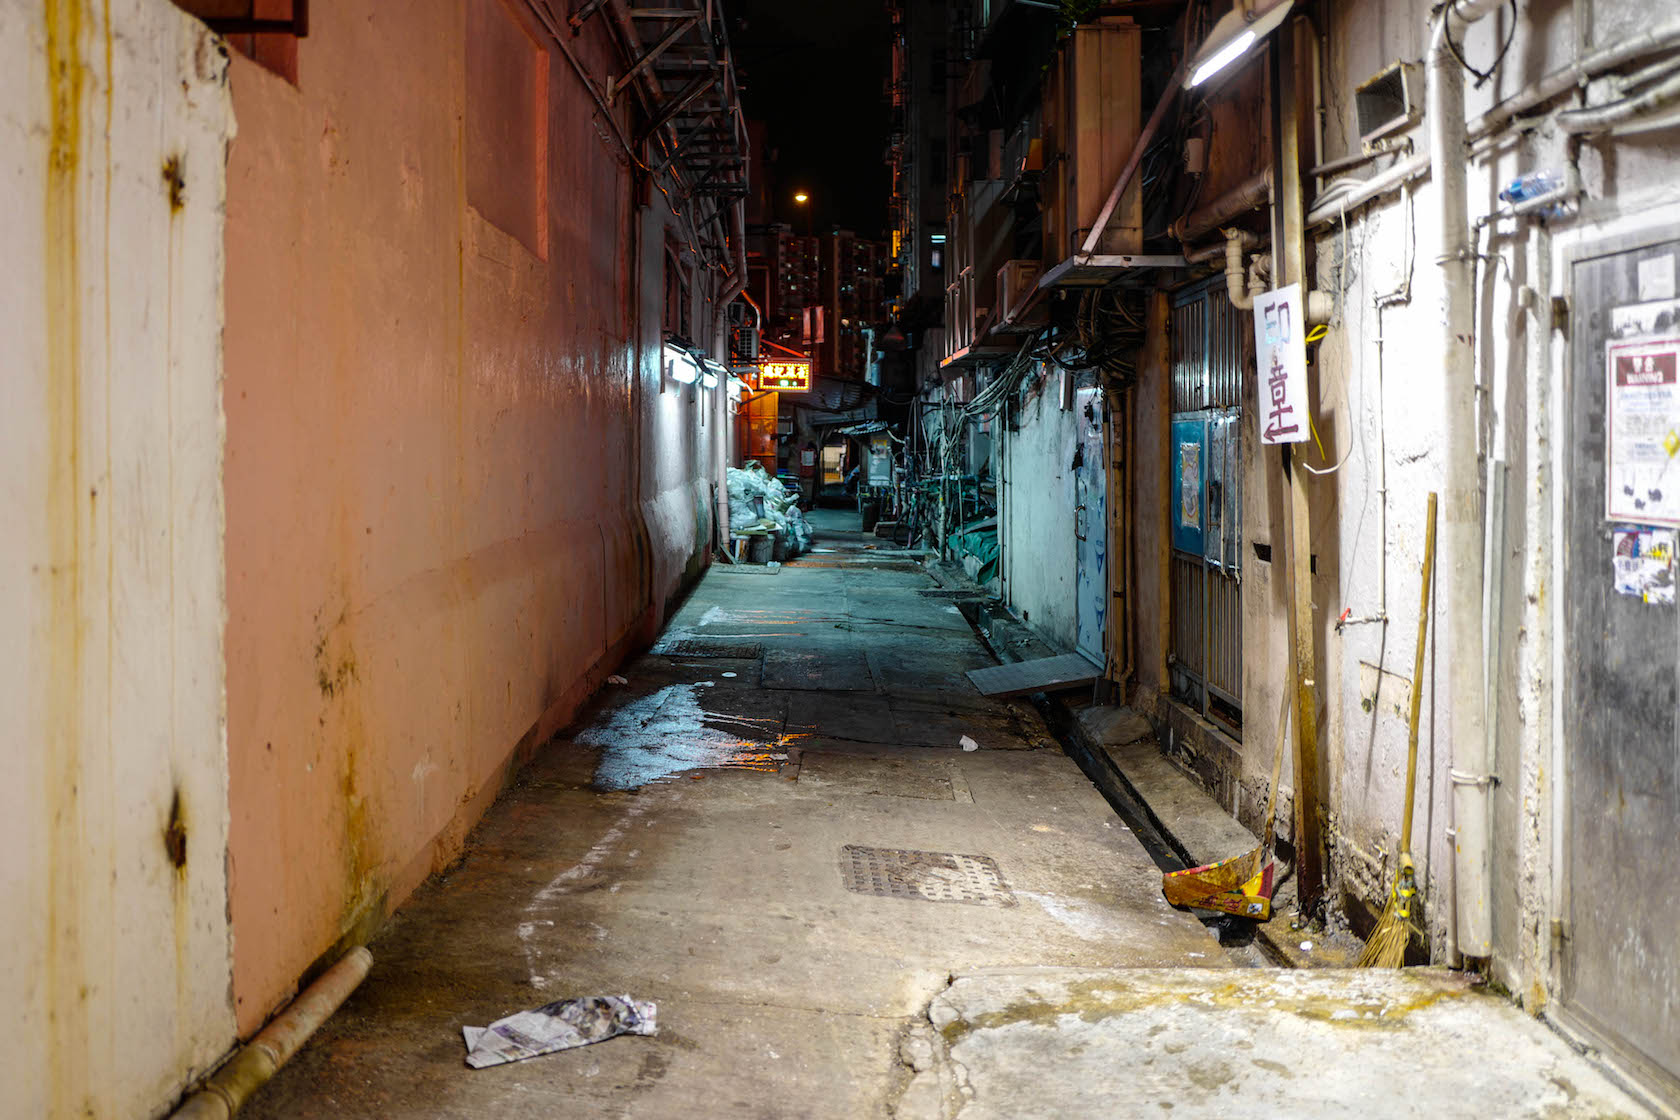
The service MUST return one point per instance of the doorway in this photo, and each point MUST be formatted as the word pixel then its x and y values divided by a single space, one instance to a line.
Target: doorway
pixel 1205 651
pixel 1617 949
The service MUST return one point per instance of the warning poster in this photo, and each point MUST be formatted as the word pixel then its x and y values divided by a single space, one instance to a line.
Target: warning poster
pixel 1642 431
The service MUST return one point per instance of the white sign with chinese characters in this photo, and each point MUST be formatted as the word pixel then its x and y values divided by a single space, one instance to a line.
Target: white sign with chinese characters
pixel 1280 355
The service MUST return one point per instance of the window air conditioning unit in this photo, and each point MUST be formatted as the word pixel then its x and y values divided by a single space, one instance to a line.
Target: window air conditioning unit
pixel 1388 102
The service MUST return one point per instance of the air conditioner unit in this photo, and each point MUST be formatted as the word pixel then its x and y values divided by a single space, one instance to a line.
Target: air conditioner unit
pixel 743 343
pixel 1388 102
pixel 1015 283
pixel 1093 116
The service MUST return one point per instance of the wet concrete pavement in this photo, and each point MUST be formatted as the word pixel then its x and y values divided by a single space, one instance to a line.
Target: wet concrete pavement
pixel 692 839
pixel 772 831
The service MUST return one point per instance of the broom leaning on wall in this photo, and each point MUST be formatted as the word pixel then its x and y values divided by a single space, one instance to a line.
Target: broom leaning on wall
pixel 1386 947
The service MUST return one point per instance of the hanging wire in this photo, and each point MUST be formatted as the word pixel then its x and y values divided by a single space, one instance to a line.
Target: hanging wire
pixel 1482 76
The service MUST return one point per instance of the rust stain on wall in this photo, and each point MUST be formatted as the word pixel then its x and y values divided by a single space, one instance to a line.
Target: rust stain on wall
pixel 67 1000
pixel 175 835
pixel 174 180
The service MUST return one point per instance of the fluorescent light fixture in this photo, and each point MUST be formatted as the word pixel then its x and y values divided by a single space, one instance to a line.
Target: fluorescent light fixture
pixel 680 364
pixel 710 371
pixel 937 238
pixel 1235 35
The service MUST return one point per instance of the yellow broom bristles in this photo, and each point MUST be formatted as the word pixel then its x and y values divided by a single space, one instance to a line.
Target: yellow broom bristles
pixel 1386 947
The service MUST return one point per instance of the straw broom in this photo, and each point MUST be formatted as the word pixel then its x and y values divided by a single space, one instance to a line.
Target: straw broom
pixel 1386 947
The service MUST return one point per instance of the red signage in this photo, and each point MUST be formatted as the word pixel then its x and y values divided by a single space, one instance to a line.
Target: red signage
pixel 1645 369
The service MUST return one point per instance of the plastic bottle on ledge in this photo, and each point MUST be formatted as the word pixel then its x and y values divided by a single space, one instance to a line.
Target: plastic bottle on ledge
pixel 1535 184
pixel 1545 194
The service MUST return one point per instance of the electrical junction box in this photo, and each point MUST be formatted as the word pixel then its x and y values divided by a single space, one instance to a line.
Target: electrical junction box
pixel 1387 102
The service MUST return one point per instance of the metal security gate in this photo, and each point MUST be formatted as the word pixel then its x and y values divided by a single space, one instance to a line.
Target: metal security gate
pixel 1206 639
pixel 1617 942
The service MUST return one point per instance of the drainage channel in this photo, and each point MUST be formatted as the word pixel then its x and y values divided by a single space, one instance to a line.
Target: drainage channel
pixel 1236 935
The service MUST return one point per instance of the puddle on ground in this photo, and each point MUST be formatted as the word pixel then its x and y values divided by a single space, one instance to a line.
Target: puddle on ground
pixel 670 731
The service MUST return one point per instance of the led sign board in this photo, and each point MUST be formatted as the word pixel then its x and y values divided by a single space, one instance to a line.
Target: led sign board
pixel 786 377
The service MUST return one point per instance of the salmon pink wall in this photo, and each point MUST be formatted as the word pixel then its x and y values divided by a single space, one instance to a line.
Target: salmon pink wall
pixel 436 433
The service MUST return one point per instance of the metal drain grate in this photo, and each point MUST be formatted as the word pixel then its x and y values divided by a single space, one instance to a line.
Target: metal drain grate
pixel 928 876
pixel 689 648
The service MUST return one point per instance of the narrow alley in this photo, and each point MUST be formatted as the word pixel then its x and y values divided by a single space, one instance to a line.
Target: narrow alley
pixel 916 559
pixel 726 834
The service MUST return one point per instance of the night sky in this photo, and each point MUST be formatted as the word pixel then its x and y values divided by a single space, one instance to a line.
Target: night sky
pixel 814 70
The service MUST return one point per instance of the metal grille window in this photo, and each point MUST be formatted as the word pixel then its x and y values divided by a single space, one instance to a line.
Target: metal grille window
pixel 1208 337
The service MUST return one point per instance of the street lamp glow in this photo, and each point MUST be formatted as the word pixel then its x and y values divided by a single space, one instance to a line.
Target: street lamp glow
pixel 802 198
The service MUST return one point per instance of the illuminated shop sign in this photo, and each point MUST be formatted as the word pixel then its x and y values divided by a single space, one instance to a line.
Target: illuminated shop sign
pixel 787 377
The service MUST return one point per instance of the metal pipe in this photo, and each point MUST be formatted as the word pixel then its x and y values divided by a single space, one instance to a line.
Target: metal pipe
pixel 1255 191
pixel 546 19
pixel 258 1060
pixel 1667 37
pixel 1601 118
pixel 1204 255
pixel 1344 163
pixel 1578 72
pixel 1462 489
pixel 1344 195
pixel 720 350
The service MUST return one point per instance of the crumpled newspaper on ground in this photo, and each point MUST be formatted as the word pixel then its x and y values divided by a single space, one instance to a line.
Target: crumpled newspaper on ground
pixel 560 1025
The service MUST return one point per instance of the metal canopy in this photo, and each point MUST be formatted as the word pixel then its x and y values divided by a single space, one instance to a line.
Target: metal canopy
pixel 1095 270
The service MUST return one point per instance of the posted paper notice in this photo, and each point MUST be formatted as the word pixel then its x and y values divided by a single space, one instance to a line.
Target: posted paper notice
pixel 1642 431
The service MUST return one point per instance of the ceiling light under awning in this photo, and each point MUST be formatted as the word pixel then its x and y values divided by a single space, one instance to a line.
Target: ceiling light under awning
pixel 1234 36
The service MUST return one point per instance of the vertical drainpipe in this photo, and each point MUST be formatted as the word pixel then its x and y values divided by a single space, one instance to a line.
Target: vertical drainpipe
pixel 1462 504
pixel 720 350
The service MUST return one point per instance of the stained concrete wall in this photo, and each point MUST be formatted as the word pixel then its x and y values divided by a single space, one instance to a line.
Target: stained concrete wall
pixel 114 124
pixel 1036 530
pixel 1378 400
pixel 1368 396
pixel 457 491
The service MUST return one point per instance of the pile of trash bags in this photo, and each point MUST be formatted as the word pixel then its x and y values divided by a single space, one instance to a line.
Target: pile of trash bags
pixel 761 504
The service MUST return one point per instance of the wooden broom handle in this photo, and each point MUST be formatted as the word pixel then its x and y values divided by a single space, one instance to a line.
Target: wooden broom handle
pixel 1277 767
pixel 1417 673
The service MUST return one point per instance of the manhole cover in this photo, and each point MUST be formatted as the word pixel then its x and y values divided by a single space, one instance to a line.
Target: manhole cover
pixel 929 876
pixel 688 648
